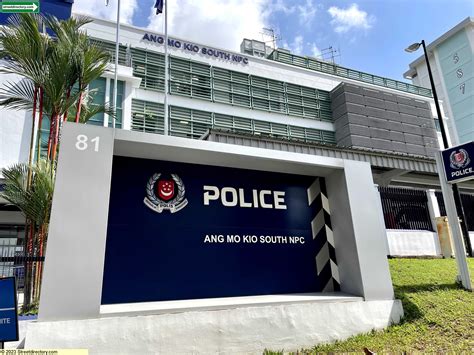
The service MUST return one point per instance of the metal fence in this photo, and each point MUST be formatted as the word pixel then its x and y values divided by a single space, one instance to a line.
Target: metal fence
pixel 13 260
pixel 468 206
pixel 405 208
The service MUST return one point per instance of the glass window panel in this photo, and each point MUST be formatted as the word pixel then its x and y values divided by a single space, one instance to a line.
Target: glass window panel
pixel 119 108
pixel 97 91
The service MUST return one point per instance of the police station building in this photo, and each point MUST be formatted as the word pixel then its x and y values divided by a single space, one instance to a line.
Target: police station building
pixel 273 199
pixel 276 100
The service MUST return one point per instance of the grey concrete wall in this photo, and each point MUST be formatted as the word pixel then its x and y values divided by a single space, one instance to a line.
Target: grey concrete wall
pixel 74 263
pixel 373 119
pixel 358 233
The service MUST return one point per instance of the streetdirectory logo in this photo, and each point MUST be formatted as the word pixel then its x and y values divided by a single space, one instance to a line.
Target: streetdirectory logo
pixel 15 7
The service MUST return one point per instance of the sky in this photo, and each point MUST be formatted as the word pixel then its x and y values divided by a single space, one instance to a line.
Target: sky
pixel 369 35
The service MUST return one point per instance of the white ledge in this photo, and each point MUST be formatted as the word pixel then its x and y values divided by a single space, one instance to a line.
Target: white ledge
pixel 142 308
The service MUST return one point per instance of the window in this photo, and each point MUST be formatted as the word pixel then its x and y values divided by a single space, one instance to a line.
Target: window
pixel 97 90
pixel 119 108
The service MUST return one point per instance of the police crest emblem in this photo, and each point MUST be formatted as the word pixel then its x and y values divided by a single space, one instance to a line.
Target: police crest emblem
pixel 164 194
pixel 459 159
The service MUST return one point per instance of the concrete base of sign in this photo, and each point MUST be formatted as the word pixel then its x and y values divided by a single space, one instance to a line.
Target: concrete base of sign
pixel 264 322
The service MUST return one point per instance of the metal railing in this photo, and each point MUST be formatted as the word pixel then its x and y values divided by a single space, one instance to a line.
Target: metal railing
pixel 333 69
pixel 405 208
pixel 11 260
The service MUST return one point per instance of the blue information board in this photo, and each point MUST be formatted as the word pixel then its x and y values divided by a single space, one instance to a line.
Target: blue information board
pixel 459 162
pixel 185 231
pixel 8 310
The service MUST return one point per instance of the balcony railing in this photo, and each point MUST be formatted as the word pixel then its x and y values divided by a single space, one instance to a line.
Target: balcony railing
pixel 329 68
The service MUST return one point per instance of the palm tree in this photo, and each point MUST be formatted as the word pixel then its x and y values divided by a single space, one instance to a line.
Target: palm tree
pixel 56 72
pixel 25 48
pixel 34 200
pixel 88 60
pixel 58 75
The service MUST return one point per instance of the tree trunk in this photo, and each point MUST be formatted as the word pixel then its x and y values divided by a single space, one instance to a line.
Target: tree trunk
pixel 40 122
pixel 28 252
pixel 52 132
pixel 68 95
pixel 56 137
pixel 78 110
pixel 41 250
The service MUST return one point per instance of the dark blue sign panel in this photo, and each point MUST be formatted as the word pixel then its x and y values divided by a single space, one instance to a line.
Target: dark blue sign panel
pixel 8 310
pixel 459 162
pixel 186 231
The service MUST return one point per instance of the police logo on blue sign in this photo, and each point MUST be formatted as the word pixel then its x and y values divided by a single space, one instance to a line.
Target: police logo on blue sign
pixel 164 194
pixel 459 159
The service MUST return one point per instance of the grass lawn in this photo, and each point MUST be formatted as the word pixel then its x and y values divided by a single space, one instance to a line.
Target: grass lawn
pixel 439 316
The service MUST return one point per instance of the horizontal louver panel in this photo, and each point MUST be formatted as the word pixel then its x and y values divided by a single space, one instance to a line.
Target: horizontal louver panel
pixel 189 123
pixel 201 81
pixel 147 117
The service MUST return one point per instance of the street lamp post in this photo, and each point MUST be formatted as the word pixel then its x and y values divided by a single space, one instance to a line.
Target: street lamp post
pixel 457 196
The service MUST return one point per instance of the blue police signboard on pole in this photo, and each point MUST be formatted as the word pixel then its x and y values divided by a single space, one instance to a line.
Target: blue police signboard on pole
pixel 8 310
pixel 459 163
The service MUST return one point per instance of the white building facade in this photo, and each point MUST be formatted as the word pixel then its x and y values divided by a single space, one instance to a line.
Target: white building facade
pixel 281 101
pixel 451 59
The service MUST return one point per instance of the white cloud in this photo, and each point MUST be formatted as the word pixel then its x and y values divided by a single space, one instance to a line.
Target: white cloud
pixel 344 20
pixel 281 6
pixel 297 45
pixel 97 8
pixel 307 12
pixel 315 51
pixel 221 23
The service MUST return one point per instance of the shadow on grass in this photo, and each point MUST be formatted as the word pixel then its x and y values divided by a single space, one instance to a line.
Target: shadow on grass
pixel 411 310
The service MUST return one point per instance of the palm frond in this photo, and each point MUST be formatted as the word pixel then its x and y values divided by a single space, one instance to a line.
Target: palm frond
pixel 34 202
pixel 17 95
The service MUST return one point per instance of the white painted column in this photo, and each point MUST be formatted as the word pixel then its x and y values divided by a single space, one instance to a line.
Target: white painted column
pixel 127 106
pixel 107 100
pixel 381 217
pixel 433 207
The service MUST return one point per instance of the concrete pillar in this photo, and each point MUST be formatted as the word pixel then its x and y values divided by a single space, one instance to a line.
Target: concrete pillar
pixel 127 106
pixel 107 100
pixel 433 207
pixel 381 217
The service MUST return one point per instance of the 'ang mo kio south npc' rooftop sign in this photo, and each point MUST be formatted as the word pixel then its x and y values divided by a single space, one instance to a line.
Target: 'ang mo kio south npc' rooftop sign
pixel 194 48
